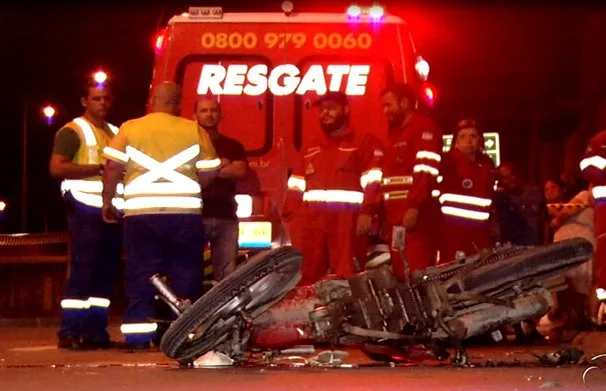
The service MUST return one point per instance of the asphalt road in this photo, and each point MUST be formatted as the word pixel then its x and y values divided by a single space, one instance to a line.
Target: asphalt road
pixel 29 360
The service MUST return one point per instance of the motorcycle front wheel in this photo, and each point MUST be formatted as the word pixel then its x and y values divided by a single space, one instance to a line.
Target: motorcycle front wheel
pixel 252 288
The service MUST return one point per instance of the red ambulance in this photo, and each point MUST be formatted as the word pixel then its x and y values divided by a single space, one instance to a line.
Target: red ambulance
pixel 267 69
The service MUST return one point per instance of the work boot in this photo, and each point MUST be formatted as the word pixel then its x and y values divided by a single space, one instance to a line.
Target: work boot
pixel 70 343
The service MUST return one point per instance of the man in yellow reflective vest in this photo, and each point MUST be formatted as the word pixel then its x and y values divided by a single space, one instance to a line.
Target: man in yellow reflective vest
pixel 166 161
pixel 96 245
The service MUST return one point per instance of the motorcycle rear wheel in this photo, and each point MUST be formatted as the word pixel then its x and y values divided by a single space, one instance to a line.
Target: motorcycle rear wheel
pixel 250 289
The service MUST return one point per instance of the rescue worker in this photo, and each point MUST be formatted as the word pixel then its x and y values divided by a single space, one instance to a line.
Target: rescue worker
pixel 219 197
pixel 466 191
pixel 326 193
pixel 593 167
pixel 161 156
pixel 96 246
pixel 410 168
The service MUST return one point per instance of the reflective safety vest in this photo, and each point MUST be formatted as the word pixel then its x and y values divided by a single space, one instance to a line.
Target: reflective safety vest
pixel 163 188
pixel 92 141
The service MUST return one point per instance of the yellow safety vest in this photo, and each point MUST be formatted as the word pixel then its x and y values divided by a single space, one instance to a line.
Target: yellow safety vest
pixel 92 141
pixel 163 155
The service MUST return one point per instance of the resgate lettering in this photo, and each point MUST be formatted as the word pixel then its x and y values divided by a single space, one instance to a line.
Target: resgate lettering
pixel 286 79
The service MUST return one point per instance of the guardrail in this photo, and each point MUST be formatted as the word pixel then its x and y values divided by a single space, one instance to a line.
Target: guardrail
pixel 35 248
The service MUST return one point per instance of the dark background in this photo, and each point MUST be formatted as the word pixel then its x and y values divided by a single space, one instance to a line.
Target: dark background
pixel 535 74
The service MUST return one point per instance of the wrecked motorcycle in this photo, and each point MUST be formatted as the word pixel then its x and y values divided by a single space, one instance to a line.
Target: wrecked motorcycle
pixel 256 306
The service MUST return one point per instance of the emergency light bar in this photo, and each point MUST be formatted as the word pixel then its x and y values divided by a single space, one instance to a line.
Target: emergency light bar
pixel 374 13
pixel 205 13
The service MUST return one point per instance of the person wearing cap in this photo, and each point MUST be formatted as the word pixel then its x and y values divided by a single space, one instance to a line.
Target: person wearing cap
pixel 593 167
pixel 96 246
pixel 468 177
pixel 328 190
pixel 410 168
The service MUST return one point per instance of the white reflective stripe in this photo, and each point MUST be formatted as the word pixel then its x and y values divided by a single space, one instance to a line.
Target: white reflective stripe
pixel 94 200
pixel 87 131
pixel 138 328
pixel 425 168
pixel 165 169
pixel 98 302
pixel 600 293
pixel 395 180
pixel 396 195
pixel 77 304
pixel 435 193
pixel 114 153
pixel 596 161
pixel 440 178
pixel 162 202
pixel 347 196
pixel 371 176
pixel 208 164
pixel 114 129
pixel 464 213
pixel 161 188
pixel 82 185
pixel 74 304
pixel 464 199
pixel 599 192
pixel 429 155
pixel 296 182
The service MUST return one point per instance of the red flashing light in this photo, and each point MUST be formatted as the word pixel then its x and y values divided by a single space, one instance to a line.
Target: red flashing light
pixel 159 41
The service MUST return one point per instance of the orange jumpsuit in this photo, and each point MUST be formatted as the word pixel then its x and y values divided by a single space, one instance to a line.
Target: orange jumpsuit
pixel 410 167
pixel 326 193
pixel 593 167
pixel 466 191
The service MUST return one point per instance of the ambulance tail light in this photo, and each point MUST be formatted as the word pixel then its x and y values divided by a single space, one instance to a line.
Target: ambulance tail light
pixel 429 94
pixel 159 41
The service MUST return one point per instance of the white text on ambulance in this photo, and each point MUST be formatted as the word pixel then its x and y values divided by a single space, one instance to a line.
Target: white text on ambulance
pixel 286 79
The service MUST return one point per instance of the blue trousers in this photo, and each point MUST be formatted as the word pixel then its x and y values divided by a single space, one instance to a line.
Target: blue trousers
pixel 96 250
pixel 169 244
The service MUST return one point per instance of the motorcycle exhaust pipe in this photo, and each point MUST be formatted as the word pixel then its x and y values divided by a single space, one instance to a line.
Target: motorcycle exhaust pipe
pixel 491 318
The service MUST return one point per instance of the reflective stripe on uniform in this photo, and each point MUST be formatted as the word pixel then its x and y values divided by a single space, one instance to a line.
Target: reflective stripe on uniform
pixel 397 180
pixel 595 161
pixel 599 192
pixel 464 213
pixel 374 175
pixel 163 194
pixel 344 196
pixel 296 183
pixel 396 195
pixel 138 328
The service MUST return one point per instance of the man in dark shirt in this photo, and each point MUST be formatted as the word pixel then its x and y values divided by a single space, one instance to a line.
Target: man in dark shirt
pixel 219 202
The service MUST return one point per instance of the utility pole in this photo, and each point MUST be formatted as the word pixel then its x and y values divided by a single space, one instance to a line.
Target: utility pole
pixel 24 172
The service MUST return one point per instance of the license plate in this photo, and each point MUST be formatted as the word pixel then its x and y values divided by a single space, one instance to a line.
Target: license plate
pixel 255 234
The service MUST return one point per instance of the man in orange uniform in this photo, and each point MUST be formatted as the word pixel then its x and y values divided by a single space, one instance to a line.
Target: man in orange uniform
pixel 326 193
pixel 593 167
pixel 410 167
pixel 466 191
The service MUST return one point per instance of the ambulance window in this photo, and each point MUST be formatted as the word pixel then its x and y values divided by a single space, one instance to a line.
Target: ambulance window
pixel 246 118
pixel 366 112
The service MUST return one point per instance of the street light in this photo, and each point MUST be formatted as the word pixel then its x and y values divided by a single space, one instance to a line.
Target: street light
pixel 49 112
pixel 100 77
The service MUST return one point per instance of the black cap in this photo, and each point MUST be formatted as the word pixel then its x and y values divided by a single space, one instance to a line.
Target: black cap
pixel 332 96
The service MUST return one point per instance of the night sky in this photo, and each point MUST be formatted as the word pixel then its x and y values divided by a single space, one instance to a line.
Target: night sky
pixel 494 63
